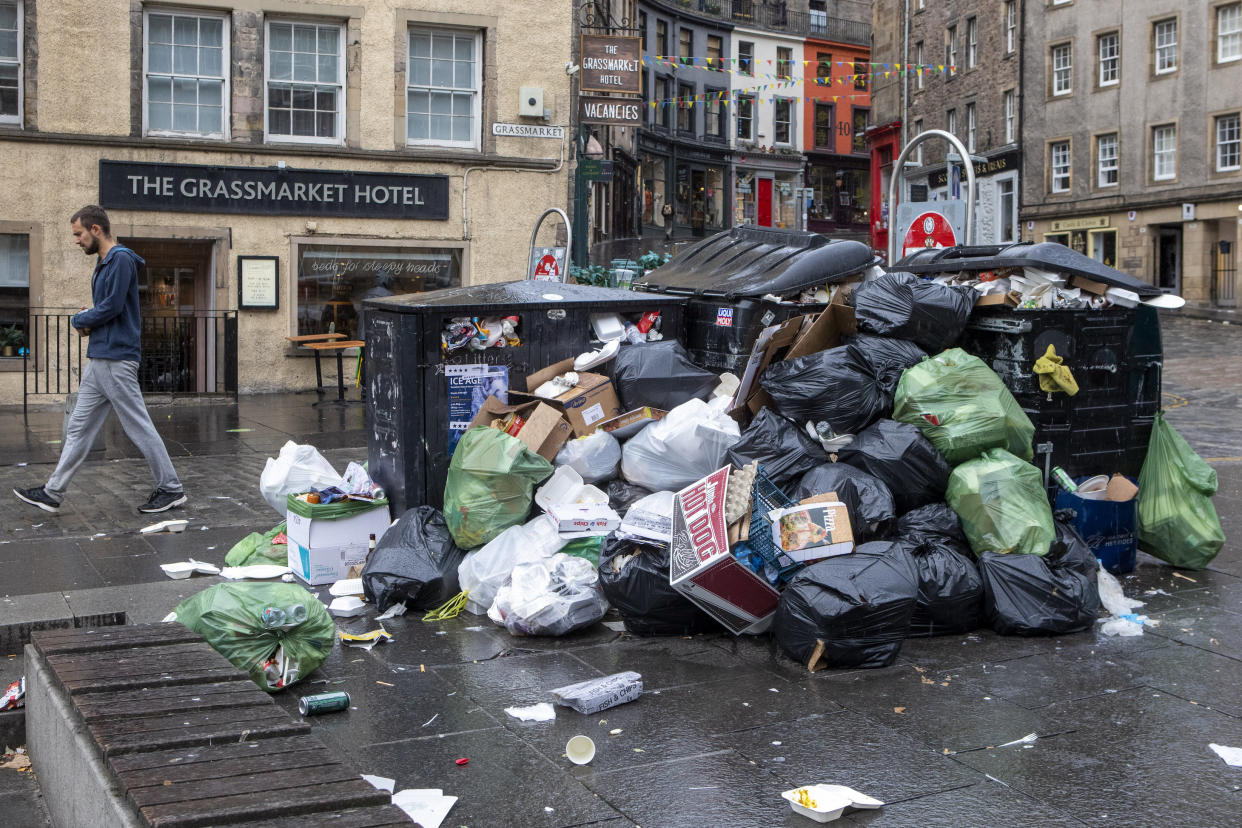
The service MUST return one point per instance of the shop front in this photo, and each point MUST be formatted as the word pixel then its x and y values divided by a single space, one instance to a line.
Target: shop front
pixel 840 203
pixel 691 182
pixel 766 190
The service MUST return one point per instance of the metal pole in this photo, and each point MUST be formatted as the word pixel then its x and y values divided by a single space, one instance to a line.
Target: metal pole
pixel 894 186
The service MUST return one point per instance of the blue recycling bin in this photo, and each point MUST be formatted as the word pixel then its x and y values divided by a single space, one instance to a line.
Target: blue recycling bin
pixel 1107 527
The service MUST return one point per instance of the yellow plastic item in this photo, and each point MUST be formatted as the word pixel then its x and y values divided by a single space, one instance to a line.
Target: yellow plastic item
pixel 1053 374
pixel 449 609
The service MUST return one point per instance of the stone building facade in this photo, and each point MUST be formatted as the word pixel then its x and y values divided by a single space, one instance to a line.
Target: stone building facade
pixel 358 146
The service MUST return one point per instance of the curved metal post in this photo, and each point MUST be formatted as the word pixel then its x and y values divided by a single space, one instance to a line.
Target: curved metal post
pixel 530 252
pixel 899 172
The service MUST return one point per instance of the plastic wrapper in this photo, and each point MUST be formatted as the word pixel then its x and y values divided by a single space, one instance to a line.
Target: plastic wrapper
pixel 595 457
pixel 888 358
pixel 622 495
pixel 297 469
pixel 659 374
pixel 257 548
pixel 634 577
pixel 834 386
pixel 950 587
pixel 483 572
pixel 551 596
pixel 1002 504
pixel 1177 522
pixel 414 563
pixel 963 408
pixel 231 617
pixel 784 450
pixel 650 518
pixel 593 695
pixel 869 502
pixel 849 611
pixel 490 484
pixel 902 459
pixel 903 306
pixel 1042 595
pixel 932 519
pixel 685 446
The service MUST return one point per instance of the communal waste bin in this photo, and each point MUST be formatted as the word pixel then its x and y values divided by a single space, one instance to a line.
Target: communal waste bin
pixel 747 278
pixel 1112 348
pixel 434 358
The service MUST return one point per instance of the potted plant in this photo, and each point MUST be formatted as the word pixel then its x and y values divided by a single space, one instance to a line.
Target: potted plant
pixel 11 338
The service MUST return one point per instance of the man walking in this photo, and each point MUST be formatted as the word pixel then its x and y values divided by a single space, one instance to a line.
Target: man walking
pixel 110 379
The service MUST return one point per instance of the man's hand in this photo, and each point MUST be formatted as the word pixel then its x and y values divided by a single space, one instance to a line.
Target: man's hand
pixel 82 332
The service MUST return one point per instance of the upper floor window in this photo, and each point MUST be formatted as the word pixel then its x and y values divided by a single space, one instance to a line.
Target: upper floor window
pixel 685 43
pixel 1106 160
pixel 1062 69
pixel 1010 115
pixel 685 108
pixel 1109 48
pixel 185 82
pixel 1011 26
pixel 1228 32
pixel 305 82
pixel 1165 34
pixel 825 126
pixel 950 49
pixel 642 30
pixel 782 120
pixel 860 74
pixel 714 46
pixel 1059 172
pixel 972 43
pixel 10 62
pixel 714 115
pixel 745 57
pixel 1164 152
pixel 861 117
pixel 823 66
pixel 972 126
pixel 1227 143
pixel 918 63
pixel 950 122
pixel 666 103
pixel 746 117
pixel 443 88
pixel 918 150
pixel 662 37
pixel 784 62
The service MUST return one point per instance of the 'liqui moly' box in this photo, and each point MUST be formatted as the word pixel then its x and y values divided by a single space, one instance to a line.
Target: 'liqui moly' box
pixel 702 568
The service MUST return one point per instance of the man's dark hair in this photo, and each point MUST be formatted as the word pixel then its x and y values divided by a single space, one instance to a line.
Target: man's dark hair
pixel 93 214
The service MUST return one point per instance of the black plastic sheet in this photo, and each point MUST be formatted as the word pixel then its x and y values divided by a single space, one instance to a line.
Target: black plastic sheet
pixel 634 577
pixel 900 456
pixel 659 374
pixel 903 306
pixel 415 562
pixel 835 386
pixel 932 519
pixel 950 586
pixel 888 358
pixel 784 451
pixel 849 611
pixel 622 495
pixel 869 502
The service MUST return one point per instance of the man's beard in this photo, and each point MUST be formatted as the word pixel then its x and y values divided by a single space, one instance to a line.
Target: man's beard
pixel 92 248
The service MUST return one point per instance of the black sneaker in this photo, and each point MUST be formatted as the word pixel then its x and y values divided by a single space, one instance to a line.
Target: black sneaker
pixel 38 497
pixel 162 501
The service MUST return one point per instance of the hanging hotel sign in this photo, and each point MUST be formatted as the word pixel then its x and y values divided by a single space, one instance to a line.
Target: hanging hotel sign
pixel 193 188
pixel 610 64
pixel 618 111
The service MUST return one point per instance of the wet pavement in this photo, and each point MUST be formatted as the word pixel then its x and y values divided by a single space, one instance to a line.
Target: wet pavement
pixel 725 724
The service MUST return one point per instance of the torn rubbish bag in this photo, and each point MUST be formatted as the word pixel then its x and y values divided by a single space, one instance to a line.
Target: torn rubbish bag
pixel 868 501
pixel 1002 504
pixel 888 358
pixel 483 572
pixel 962 407
pixel 1047 594
pixel 903 306
pixel 685 446
pixel 1177 522
pixel 849 611
pixel 784 451
pixel 490 484
pixel 659 374
pixel 551 596
pixel 834 386
pixel 634 577
pixel 594 457
pixel 902 459
pixel 950 587
pixel 414 563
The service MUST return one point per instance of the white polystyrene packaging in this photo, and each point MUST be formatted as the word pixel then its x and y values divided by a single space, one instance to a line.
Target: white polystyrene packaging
pixel 685 446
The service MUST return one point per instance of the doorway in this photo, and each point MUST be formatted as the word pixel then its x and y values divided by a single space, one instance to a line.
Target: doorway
pixel 1168 259
pixel 763 210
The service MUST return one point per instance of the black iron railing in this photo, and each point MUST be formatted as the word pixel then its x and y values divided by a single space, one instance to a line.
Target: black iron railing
pixel 776 16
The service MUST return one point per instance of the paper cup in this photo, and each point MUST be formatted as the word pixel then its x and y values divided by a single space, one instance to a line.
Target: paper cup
pixel 580 750
pixel 1094 488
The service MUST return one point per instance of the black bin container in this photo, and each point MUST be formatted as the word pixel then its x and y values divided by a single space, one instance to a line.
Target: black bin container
pixel 1115 355
pixel 727 276
pixel 407 400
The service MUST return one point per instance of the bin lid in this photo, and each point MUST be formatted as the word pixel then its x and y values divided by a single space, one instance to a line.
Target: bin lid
pixel 475 300
pixel 1045 255
pixel 751 261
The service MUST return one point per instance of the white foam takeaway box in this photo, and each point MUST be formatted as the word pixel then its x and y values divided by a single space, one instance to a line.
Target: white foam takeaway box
pixel 322 551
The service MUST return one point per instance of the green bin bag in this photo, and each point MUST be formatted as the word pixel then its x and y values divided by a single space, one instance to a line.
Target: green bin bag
pixel 489 486
pixel 230 617
pixel 257 548
pixel 1176 519
pixel 1002 504
pixel 962 407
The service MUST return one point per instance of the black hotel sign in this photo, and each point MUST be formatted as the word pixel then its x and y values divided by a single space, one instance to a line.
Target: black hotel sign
pixel 192 188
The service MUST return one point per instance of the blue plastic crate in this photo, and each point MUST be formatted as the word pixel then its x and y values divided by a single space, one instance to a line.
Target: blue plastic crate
pixel 759 553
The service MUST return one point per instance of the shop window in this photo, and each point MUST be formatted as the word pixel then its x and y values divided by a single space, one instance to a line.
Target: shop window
pixel 1164 152
pixel 185 80
pixel 655 183
pixel 825 127
pixel 1007 210
pixel 714 114
pixel 1229 33
pixel 1058 238
pixel 10 62
pixel 1062 69
pixel 1108 47
pixel 861 76
pixel 1164 36
pixel 1103 246
pixel 14 292
pixel 305 82
pixel 334 280
pixel 860 128
pixel 782 120
pixel 823 66
pixel 1227 143
pixel 1059 166
pixel 705 196
pixel 443 87
pixel 685 108
pixel 784 62
pixel 745 117
pixel 745 57
pixel 1106 160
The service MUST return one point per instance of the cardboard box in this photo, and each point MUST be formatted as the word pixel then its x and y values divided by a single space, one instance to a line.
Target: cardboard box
pixel 583 518
pixel 632 422
pixel 995 299
pixel 812 532
pixel 545 430
pixel 585 406
pixel 1089 285
pixel 325 564
pixel 346 531
pixel 702 568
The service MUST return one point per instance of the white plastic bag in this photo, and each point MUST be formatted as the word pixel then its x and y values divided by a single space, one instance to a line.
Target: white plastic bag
pixel 595 457
pixel 298 468
pixel 485 570
pixel 685 446
pixel 550 596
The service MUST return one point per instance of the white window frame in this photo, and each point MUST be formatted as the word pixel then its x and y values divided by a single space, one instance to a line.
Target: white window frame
pixel 950 121
pixel 1235 141
pixel 972 42
pixel 972 125
pixel 16 120
pixel 950 49
pixel 226 63
pixel 1066 49
pixel 339 140
pixel 1010 104
pixel 1109 164
pixel 476 143
pixel 1168 153
pixel 1166 52
pixel 750 133
pixel 1105 60
pixel 1234 34
pixel 746 64
pixel 776 103
pixel 1011 26
pixel 1068 166
pixel 918 150
pixel 918 62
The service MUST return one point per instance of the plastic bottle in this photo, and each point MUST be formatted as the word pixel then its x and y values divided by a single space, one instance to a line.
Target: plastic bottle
pixel 273 617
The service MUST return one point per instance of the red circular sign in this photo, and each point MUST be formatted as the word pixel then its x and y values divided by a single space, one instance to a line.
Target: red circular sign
pixel 930 229
pixel 547 266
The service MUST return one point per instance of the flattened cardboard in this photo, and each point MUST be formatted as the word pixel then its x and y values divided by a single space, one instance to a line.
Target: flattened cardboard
pixel 585 406
pixel 829 519
pixel 545 430
pixel 1089 285
pixel 995 299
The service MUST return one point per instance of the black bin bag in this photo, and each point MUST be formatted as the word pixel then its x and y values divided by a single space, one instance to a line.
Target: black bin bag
pixel 849 611
pixel 950 587
pixel 1042 594
pixel 932 519
pixel 784 451
pixel 634 577
pixel 900 456
pixel 659 374
pixel 888 358
pixel 866 498
pixel 835 386
pixel 903 306
pixel 415 562
pixel 622 495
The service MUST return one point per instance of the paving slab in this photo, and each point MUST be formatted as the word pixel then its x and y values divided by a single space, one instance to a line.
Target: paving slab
pixel 984 803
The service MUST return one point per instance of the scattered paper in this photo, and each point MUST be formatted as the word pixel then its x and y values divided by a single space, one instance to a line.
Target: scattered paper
pixel 395 610
pixel 1025 740
pixel 1124 622
pixel 254 572
pixel 383 783
pixel 1231 755
pixel 172 616
pixel 428 807
pixel 542 712
pixel 366 640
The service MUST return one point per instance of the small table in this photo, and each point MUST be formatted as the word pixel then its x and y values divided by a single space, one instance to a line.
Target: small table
pixel 338 346
pixel 304 340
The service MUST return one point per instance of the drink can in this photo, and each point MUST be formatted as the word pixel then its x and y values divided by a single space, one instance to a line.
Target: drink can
pixel 323 703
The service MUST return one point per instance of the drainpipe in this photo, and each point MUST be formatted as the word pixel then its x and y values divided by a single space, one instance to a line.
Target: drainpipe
pixel 905 78
pixel 1018 95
